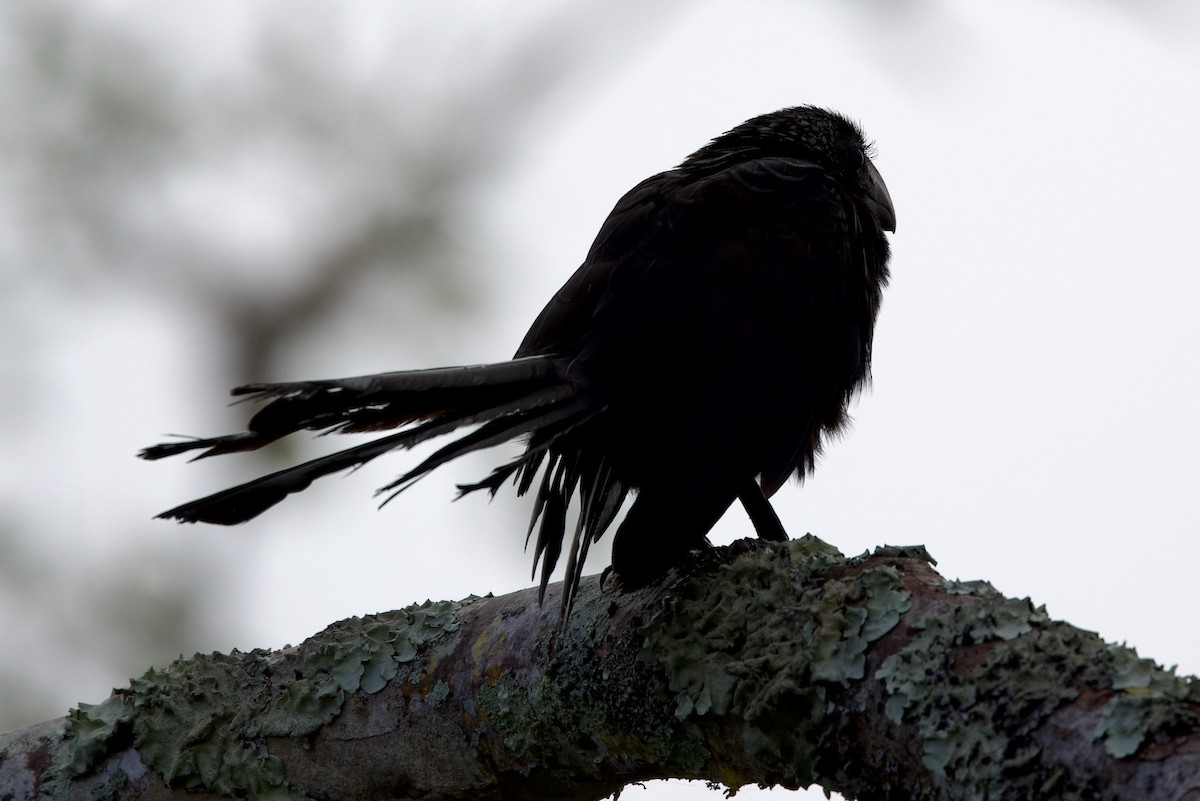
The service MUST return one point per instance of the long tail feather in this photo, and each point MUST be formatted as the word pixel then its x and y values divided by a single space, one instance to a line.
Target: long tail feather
pixel 507 406
pixel 375 403
pixel 553 528
pixel 530 398
pixel 603 497
pixel 498 431
pixel 245 501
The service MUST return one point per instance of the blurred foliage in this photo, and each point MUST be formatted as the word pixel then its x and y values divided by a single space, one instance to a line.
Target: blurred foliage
pixel 117 145
pixel 265 168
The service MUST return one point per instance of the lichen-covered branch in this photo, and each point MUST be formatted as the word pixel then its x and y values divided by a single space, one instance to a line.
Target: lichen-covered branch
pixel 776 664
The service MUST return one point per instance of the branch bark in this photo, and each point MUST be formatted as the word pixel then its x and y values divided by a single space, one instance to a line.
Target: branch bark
pixel 774 664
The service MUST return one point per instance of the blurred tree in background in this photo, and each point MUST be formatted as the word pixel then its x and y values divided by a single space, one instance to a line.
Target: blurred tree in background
pixel 262 177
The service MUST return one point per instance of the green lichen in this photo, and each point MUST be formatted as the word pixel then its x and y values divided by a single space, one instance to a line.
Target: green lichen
pixel 885 601
pixel 507 708
pixel 766 641
pixel 605 698
pixel 691 756
pixel 116 785
pixel 92 727
pixel 901 552
pixel 439 693
pixel 813 552
pixel 1149 699
pixel 976 717
pixel 983 589
pixel 202 722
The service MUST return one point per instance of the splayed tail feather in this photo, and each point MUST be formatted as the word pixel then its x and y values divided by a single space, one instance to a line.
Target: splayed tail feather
pixel 531 398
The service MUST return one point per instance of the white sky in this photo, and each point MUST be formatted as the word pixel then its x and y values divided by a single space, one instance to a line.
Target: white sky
pixel 1032 420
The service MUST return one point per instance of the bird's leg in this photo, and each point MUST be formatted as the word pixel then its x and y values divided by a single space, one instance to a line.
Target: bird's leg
pixel 762 514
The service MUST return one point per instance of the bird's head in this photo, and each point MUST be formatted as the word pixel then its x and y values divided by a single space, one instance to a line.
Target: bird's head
pixel 823 137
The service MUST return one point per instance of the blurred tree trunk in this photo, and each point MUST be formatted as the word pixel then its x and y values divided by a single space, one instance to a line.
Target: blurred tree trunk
pixel 768 664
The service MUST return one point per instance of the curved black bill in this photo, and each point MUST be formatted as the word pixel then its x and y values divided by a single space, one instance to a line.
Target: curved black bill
pixel 879 200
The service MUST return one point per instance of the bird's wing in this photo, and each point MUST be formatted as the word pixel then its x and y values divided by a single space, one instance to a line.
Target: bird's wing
pixel 567 316
pixel 679 228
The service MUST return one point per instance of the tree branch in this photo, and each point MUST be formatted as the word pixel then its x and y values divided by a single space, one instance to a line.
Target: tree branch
pixel 776 664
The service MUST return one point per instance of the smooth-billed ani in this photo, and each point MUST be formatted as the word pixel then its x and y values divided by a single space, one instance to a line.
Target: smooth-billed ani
pixel 712 338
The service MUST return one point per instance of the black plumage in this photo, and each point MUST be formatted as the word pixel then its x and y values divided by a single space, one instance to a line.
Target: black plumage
pixel 712 338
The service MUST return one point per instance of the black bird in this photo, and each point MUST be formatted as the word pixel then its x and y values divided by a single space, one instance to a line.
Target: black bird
pixel 711 340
